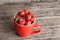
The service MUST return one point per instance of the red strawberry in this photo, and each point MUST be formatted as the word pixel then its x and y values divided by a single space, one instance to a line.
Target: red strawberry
pixel 21 13
pixel 28 23
pixel 17 17
pixel 33 17
pixel 26 11
pixel 28 17
pixel 22 21
pixel 32 14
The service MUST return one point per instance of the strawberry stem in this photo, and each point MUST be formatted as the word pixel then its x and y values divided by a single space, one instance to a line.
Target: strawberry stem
pixel 20 18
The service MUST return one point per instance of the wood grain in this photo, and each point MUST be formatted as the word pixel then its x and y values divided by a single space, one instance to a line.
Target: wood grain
pixel 47 15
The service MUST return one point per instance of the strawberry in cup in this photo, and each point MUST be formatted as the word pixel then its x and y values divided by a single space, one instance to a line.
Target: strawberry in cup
pixel 24 17
pixel 21 21
pixel 21 13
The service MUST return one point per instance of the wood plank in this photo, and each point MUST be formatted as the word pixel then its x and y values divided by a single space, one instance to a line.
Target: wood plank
pixel 48 17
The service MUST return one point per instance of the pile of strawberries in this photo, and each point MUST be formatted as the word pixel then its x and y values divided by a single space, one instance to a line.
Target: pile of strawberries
pixel 25 17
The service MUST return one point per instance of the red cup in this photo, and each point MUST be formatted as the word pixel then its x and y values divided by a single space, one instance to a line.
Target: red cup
pixel 26 30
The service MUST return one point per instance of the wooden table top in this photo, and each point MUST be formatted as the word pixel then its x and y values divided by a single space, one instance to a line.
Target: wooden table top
pixel 47 15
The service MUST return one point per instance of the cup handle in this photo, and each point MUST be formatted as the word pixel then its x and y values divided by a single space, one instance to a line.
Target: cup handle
pixel 39 28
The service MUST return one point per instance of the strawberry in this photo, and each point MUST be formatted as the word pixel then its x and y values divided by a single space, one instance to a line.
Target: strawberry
pixel 32 14
pixel 21 13
pixel 17 17
pixel 28 17
pixel 26 11
pixel 28 23
pixel 22 21
pixel 33 17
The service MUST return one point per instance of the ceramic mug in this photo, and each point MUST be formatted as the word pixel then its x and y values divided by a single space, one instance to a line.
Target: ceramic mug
pixel 26 30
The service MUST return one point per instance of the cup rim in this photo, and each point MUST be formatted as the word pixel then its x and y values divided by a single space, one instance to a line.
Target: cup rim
pixel 24 25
